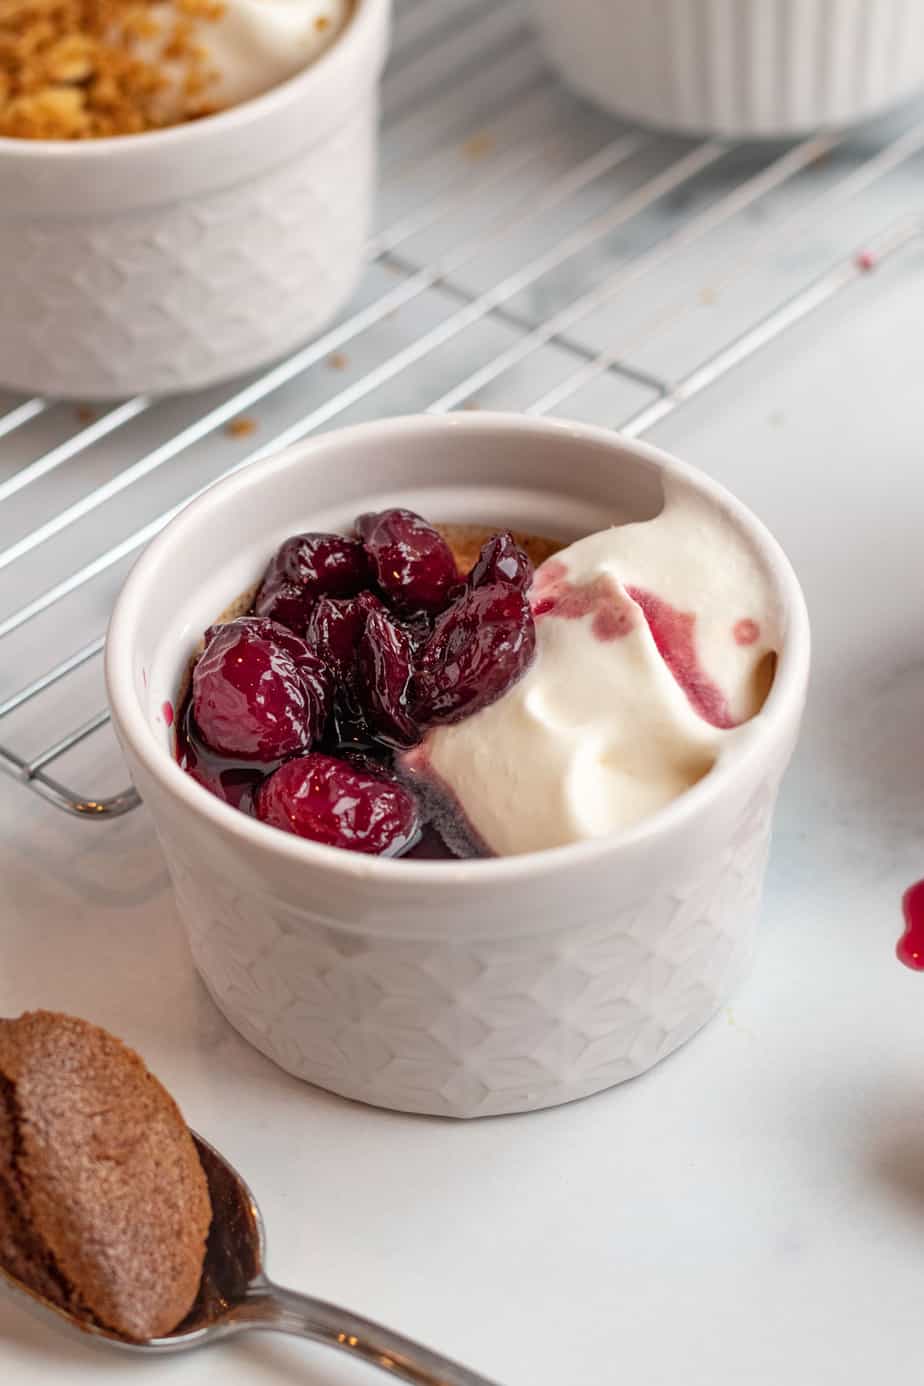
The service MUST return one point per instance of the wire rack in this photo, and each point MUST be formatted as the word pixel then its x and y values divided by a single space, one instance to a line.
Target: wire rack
pixel 531 254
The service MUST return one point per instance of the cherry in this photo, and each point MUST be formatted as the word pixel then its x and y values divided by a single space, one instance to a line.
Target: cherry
pixel 315 674
pixel 502 560
pixel 234 781
pixel 258 692
pixel 321 798
pixel 412 562
pixel 385 666
pixel 334 629
pixel 479 648
pixel 309 566
pixel 419 628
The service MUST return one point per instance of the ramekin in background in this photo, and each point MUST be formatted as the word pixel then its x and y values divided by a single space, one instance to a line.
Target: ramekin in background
pixel 174 259
pixel 455 988
pixel 742 68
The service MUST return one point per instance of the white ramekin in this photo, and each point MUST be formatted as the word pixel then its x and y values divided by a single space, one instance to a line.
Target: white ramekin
pixel 171 260
pixel 743 68
pixel 454 988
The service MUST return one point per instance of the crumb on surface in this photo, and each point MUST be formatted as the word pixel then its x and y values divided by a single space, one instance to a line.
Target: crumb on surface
pixel 241 427
pixel 84 69
pixel 478 146
pixel 866 260
pixel 338 361
pixel 85 414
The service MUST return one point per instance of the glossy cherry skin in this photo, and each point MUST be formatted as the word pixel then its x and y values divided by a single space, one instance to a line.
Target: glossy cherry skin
pixel 306 567
pixel 258 692
pixel 385 670
pixel 325 799
pixel 335 627
pixel 479 648
pixel 502 560
pixel 412 563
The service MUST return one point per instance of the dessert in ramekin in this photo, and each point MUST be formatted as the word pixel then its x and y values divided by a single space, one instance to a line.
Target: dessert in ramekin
pixel 175 258
pixel 453 987
pixel 739 68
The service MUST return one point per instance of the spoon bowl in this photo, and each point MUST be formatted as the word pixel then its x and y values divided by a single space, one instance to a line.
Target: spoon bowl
pixel 236 1296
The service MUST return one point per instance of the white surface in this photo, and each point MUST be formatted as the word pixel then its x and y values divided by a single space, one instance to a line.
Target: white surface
pixel 753 1209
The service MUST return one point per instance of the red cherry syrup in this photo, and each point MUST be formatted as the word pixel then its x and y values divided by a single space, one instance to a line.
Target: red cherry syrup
pixel 910 947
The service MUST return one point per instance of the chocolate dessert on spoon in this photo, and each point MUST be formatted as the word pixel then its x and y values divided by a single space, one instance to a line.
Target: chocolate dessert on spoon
pixel 106 1198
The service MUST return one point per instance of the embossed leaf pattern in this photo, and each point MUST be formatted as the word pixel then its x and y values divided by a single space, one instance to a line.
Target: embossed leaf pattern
pixel 470 1028
pixel 178 296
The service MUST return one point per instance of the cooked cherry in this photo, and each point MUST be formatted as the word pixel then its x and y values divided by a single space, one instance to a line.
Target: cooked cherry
pixel 234 781
pixel 315 673
pixel 334 629
pixel 419 627
pixel 309 566
pixel 385 666
pixel 502 560
pixel 412 562
pixel 258 692
pixel 479 648
pixel 321 798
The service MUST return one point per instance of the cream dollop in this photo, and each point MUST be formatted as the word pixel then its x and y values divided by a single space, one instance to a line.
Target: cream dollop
pixel 252 45
pixel 654 642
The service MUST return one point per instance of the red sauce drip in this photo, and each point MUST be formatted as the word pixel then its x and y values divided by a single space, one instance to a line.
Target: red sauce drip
pixel 866 261
pixel 612 622
pixel 673 632
pixel 746 632
pixel 554 595
pixel 910 949
pixel 552 572
pixel 167 710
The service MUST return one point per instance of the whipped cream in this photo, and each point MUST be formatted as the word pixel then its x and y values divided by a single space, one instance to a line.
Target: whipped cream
pixel 252 45
pixel 654 641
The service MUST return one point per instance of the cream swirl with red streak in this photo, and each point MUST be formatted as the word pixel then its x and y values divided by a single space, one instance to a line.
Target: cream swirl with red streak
pixel 652 645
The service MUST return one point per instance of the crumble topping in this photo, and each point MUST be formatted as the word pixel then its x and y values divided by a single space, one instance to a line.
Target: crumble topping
pixel 82 69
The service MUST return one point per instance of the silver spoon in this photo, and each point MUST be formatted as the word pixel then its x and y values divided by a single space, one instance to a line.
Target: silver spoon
pixel 236 1296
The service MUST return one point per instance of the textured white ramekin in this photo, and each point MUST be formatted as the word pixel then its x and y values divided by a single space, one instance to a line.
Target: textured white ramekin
pixel 171 260
pixel 737 67
pixel 456 988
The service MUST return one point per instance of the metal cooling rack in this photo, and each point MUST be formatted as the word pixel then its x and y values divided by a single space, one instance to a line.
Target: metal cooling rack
pixel 532 254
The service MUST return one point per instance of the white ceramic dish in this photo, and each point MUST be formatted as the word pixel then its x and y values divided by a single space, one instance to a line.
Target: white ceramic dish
pixel 462 988
pixel 742 68
pixel 171 260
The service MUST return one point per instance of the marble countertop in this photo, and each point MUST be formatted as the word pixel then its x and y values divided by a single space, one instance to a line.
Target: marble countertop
pixel 753 1209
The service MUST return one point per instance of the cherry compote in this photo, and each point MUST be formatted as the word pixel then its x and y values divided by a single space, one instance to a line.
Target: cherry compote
pixel 299 714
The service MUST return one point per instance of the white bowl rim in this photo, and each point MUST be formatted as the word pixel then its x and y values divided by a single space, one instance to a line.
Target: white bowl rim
pixel 781 709
pixel 242 113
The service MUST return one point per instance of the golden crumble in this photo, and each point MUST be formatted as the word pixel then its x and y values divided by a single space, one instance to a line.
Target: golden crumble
pixel 83 69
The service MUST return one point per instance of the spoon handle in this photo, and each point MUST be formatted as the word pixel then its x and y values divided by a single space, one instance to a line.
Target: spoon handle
pixel 270 1306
